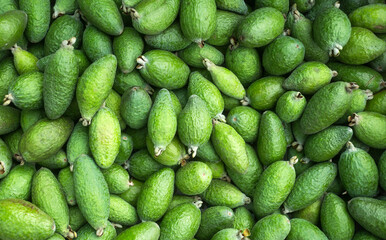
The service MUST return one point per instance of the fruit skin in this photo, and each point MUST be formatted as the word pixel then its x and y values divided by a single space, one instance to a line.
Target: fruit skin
pixel 125 149
pixel 141 165
pixel 181 222
pixel 363 47
pixel 17 184
pixel 23 60
pixel 245 121
pixel 281 5
pixel 364 235
pixel 30 117
pixel 105 137
pixel 378 103
pixel 13 24
pixel 370 17
pixel 104 15
pixel 193 178
pixel 214 219
pixel 96 44
pixel 198 19
pixel 45 190
pixel 8 75
pixel 57 161
pixel 88 233
pixel 290 106
pixel 5 159
pixel 273 187
pixel 121 212
pixel 370 128
pixel 174 153
pixel 301 229
pixel 310 213
pixel 131 195
pixel 194 54
pixel 335 220
pixel 228 234
pixel 306 191
pixel 358 172
pixel 382 170
pixel 207 153
pixel 78 143
pixel 62 7
pixel 95 85
pixel 358 103
pixel 326 144
pixel 163 69
pixel 274 226
pixel 326 106
pixel 260 27
pixel 92 193
pixel 156 195
pixel 244 219
pixel 8 5
pixel 146 230
pixel 12 141
pixel 135 107
pixel 369 213
pixel 44 139
pixel 230 146
pixel 9 119
pixel 60 78
pixel 264 92
pixel 66 180
pixel 18 221
pixel 126 81
pixel 226 23
pixel 39 17
pixel 171 39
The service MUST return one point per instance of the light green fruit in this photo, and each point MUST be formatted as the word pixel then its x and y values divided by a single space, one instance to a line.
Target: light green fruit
pixel 121 212
pixel 193 178
pixel 245 121
pixel 274 226
pixel 290 106
pixel 39 16
pixel 194 54
pixel 23 60
pixel 96 44
pixel 13 24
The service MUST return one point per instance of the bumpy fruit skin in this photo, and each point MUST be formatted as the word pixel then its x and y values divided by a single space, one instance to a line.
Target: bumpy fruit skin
pixel 244 219
pixel 9 74
pixel 171 39
pixel 264 92
pixel 370 128
pixel 103 14
pixel 193 178
pixel 78 143
pixel 88 233
pixel 18 182
pixel 9 119
pixel 245 121
pixel 12 27
pixel 226 23
pixel 146 230
pixel 95 43
pixel 290 106
pixel 127 81
pixel 364 235
pixel 194 54
pixel 8 5
pixel 370 16
pixel 378 103
pixel 141 165
pixel 117 179
pixel 260 27
pixel 18 221
pixel 310 213
pixel 228 234
pixel 207 153
pixel 23 60
pixel 57 161
pixel 121 212
pixel 135 107
pixel 301 229
pixel 131 195
pixel 214 219
pixel 62 7
pixel 66 180
pixel 5 159
pixel 173 154
pixel 275 226
pixel 39 18
pixel 370 214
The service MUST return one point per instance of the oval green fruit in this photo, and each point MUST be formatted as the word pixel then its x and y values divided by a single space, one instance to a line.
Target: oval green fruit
pixel 264 92
pixel 301 229
pixel 193 178
pixel 146 230
pixel 214 219
pixel 96 44
pixel 12 27
pixel 275 226
pixel 39 18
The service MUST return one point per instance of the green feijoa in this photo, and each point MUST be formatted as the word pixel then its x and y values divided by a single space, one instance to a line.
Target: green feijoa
pixel 358 172
pixel 46 189
pixel 44 139
pixel 5 159
pixel 135 107
pixel 63 7
pixel 290 106
pixel 231 234
pixel 207 153
pixel 181 222
pixel 263 93
pixel 113 101
pixel 237 6
pixel 18 182
pixel 193 178
pixel 173 154
pixel 207 91
pixel 194 124
pixel 326 106
pixel 182 96
pixel 289 137
pixel 310 186
pixel 60 78
pixel 303 5
pixel 156 195
pixel 273 187
pixel 358 144
pixel 8 75
pixel 378 103
pixel 244 219
pixel 57 161
pixel 30 117
pixel 39 18
pixel 310 213
pixel 175 101
pixel 81 57
pixel 244 63
pixel 95 85
pixel 126 81
pixel 12 27
pixel 336 187
pixel 18 221
pixel 131 195
pixel 226 81
pixel 12 140
pixel 303 162
pixel 246 182
pixel 178 200
pixel 369 128
pixel 66 180
pixel 117 179
pixel 78 143
pixel 382 170
pixel 127 47
pixel 226 23
pixel 245 121
pixel 23 60
pixel 198 19
pixel 125 149
pixel 146 230
pixel 331 30
pixel 121 212
pixel 63 28
pixel 56 236
pixel 230 146
pixel 274 226
pixel 163 69
pixel 92 193
pixel 9 119
pixel 194 54
pixel 221 193
pixel 370 214
pixel 303 229
pixel 139 137
pixel 8 5
pixel 260 27
pixel 88 233
pixel 105 137
pixel 96 44
pixel 363 47
pixel 153 16
pixel 370 17
pixel 214 219
pixel 271 142
pixel 379 64
pixel 141 165
pixel 73 111
pixel 358 103
pixel 218 170
pixel 283 55
pixel 335 219
pixel 301 28
pixel 316 148
pixel 37 49
pixel 282 5
pixel 309 77
pixel 364 235
pixel 365 77
pixel 104 15
pixel 171 39
pixel 26 92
